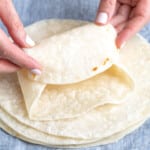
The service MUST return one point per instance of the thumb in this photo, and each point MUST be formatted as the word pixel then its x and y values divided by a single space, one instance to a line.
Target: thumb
pixel 105 11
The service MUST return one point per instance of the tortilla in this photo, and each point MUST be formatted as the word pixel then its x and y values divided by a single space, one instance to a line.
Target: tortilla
pixel 97 124
pixel 68 56
pixel 42 101
pixel 53 143
pixel 43 97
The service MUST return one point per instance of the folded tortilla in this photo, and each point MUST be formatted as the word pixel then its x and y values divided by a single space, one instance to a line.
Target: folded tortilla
pixel 90 68
pixel 42 101
pixel 68 57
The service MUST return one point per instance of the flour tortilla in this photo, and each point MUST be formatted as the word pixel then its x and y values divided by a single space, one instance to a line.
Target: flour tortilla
pixel 68 57
pixel 42 101
pixel 44 141
pixel 46 31
pixel 45 101
pixel 35 134
pixel 100 122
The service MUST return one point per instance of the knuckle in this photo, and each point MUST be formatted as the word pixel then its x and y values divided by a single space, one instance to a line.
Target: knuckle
pixel 25 62
pixel 4 53
pixel 142 17
pixel 4 4
pixel 15 27
pixel 134 3
pixel 109 3
pixel 130 28
pixel 107 6
pixel 1 62
pixel 5 1
pixel 142 13
pixel 124 10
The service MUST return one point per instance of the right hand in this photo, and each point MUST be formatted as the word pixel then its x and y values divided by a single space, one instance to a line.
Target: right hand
pixel 12 56
pixel 127 16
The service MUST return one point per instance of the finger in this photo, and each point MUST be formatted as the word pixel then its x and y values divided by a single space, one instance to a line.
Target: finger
pixel 132 3
pixel 140 16
pixel 7 67
pixel 120 27
pixel 15 28
pixel 105 11
pixel 129 30
pixel 116 8
pixel 14 54
pixel 122 15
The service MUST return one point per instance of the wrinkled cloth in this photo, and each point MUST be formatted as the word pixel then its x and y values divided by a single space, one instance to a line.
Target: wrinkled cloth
pixel 31 11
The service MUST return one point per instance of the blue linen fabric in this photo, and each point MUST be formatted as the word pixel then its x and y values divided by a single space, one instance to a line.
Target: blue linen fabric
pixel 33 10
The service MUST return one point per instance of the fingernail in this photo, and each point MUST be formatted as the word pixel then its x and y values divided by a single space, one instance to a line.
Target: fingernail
pixel 29 41
pixel 36 71
pixel 122 45
pixel 102 18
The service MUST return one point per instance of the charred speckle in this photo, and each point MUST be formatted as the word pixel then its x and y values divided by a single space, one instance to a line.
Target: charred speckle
pixel 95 68
pixel 105 61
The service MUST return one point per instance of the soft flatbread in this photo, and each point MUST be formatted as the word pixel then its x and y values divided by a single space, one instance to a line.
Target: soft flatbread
pixel 99 123
pixel 43 96
pixel 68 57
pixel 42 101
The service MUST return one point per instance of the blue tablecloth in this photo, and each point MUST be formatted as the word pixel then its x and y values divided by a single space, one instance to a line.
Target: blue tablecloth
pixel 33 10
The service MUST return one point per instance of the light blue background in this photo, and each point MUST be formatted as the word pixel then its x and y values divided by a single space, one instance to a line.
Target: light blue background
pixel 33 10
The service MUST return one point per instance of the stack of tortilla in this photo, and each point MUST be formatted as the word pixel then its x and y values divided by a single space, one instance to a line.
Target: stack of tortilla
pixel 89 93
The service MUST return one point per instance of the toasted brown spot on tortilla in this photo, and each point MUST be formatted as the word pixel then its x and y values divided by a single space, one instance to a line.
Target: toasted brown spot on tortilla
pixel 95 68
pixel 105 61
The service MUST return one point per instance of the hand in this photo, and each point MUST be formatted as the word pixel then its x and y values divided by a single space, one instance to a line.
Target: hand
pixel 11 55
pixel 127 16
